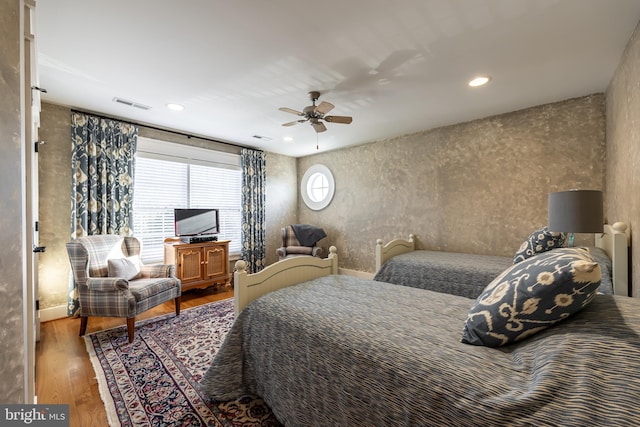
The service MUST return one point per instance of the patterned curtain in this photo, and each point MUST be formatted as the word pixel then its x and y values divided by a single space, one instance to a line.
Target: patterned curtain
pixel 102 164
pixel 253 212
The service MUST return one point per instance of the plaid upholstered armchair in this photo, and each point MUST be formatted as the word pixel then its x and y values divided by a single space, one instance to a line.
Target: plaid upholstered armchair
pixel 111 281
pixel 300 239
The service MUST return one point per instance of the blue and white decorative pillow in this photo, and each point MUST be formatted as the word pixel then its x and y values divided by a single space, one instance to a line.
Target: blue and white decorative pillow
pixel 539 241
pixel 531 296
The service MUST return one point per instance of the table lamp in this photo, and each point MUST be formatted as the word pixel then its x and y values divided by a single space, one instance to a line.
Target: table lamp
pixel 576 211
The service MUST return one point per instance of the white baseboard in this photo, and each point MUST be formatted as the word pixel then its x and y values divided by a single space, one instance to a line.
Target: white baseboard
pixel 356 273
pixel 53 313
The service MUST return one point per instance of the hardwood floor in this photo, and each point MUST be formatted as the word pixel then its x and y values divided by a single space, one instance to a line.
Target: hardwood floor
pixel 64 374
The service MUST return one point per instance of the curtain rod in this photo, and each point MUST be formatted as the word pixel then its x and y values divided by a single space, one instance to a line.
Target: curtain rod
pixel 189 136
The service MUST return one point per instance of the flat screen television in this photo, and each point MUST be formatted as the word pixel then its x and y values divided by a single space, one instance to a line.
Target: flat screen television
pixel 196 222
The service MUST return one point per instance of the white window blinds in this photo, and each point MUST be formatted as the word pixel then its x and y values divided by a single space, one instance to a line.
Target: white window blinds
pixel 164 181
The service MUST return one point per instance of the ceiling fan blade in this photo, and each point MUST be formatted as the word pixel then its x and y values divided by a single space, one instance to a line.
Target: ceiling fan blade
pixel 338 119
pixel 324 107
pixel 293 123
pixel 319 127
pixel 289 110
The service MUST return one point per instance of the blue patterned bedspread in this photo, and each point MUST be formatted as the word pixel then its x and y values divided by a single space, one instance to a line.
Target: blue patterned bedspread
pixel 460 273
pixel 343 351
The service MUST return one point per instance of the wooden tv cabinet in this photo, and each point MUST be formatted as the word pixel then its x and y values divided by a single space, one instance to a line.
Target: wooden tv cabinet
pixel 198 265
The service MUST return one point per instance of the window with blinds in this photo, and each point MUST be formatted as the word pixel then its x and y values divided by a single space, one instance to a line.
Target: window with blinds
pixel 187 178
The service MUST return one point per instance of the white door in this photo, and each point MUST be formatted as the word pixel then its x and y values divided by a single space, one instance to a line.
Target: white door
pixel 31 124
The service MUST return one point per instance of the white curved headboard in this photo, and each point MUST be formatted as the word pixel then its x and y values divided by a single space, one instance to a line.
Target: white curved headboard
pixel 615 242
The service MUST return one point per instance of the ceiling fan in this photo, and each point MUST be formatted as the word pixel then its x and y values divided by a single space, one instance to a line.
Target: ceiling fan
pixel 314 114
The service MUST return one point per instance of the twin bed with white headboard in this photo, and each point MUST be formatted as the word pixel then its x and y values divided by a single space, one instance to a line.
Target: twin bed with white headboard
pixel 328 349
pixel 466 275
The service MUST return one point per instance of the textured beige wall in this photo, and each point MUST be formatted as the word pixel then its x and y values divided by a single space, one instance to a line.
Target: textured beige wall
pixel 282 199
pixel 12 194
pixel 478 187
pixel 623 149
pixel 54 170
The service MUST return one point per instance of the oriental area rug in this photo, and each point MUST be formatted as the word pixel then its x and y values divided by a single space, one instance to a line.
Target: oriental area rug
pixel 154 381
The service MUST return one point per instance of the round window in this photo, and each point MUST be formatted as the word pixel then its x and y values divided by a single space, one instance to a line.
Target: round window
pixel 317 187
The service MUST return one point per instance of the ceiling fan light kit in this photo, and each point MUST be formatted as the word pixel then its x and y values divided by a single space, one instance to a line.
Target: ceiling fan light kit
pixel 315 114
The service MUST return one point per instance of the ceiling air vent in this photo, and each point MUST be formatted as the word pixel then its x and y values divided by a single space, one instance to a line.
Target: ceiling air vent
pixel 131 103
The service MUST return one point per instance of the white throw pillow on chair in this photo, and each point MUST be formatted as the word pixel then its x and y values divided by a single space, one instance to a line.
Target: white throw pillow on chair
pixel 127 268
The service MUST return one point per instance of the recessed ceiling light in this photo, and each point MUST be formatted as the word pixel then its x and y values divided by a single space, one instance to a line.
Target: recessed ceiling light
pixel 175 107
pixel 288 139
pixel 479 81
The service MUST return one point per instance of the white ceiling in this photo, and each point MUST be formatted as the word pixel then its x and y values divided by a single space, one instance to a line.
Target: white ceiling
pixel 396 66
